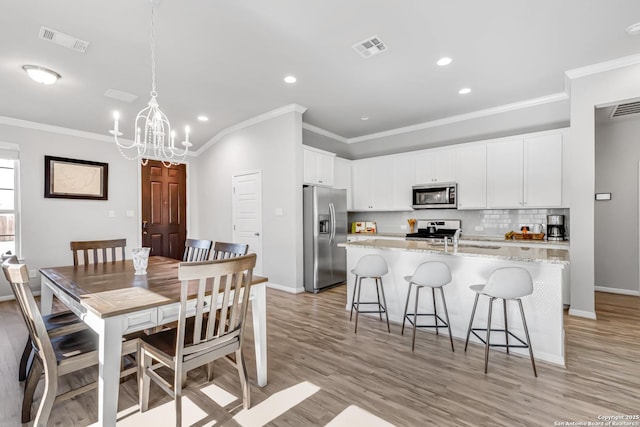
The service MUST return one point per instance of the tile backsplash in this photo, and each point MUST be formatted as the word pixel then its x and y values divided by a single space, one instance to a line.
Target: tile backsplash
pixel 488 222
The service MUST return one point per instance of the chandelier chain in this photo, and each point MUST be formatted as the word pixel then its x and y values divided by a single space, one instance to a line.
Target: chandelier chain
pixel 153 50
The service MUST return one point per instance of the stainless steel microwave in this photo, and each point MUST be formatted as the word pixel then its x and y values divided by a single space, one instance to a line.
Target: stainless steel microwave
pixel 435 196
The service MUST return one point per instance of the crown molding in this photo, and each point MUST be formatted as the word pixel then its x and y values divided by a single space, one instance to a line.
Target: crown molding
pixel 250 122
pixel 320 131
pixel 601 67
pixel 555 97
pixel 56 129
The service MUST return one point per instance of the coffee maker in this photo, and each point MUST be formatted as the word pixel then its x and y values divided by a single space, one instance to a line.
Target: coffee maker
pixel 555 227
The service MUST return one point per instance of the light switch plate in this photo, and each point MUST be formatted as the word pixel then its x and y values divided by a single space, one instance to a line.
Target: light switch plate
pixel 403 227
pixel 112 214
pixel 279 212
pixel 32 274
pixel 479 228
pixel 130 214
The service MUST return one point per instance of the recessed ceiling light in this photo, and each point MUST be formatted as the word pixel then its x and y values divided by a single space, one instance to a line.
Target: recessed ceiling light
pixel 444 61
pixel 364 119
pixel 464 91
pixel 41 75
pixel 290 79
pixel 203 118
pixel 633 29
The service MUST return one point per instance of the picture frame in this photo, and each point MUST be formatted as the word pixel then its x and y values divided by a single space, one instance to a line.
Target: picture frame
pixel 75 179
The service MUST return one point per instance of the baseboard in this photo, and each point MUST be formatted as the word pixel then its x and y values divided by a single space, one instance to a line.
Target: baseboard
pixel 617 291
pixel 582 313
pixel 11 297
pixel 284 288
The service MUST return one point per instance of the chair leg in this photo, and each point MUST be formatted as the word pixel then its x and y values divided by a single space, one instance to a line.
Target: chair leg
pixel 486 347
pixel 177 396
pixel 48 398
pixel 446 316
pixel 244 379
pixel 435 312
pixel 506 327
pixel 209 371
pixel 184 377
pixel 359 285
pixel 473 313
pixel 30 387
pixel 384 299
pixel 526 333
pixel 406 307
pixel 144 362
pixel 379 305
pixel 415 319
pixel 353 297
pixel 23 371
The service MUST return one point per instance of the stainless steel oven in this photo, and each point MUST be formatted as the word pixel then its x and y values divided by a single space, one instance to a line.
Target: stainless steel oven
pixel 435 196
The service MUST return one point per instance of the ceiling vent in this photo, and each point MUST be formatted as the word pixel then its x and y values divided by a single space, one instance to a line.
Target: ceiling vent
pixel 63 39
pixel 369 47
pixel 626 109
pixel 120 95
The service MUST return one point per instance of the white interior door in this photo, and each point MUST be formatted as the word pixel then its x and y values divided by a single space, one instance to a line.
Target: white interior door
pixel 247 212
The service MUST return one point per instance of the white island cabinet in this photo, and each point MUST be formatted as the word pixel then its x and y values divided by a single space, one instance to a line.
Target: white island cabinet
pixel 472 264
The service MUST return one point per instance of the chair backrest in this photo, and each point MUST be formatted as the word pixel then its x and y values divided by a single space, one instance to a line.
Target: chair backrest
pixel 196 250
pixel 230 281
pixel 222 250
pixel 18 277
pixel 434 274
pixel 509 283
pixel 371 266
pixel 100 250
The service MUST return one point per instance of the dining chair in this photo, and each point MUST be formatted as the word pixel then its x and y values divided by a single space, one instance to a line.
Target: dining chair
pixel 53 356
pixel 102 251
pixel 200 342
pixel 196 250
pixel 223 250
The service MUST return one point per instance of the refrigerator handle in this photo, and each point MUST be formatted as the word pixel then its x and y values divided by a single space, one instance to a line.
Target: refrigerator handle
pixel 332 212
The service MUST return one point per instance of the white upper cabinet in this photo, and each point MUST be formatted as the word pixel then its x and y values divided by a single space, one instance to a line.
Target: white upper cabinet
pixel 404 178
pixel 318 166
pixel 504 173
pixel 543 171
pixel 437 165
pixel 373 184
pixel 342 178
pixel 472 176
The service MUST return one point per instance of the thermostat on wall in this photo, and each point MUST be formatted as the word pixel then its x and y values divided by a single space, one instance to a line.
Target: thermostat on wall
pixel 603 196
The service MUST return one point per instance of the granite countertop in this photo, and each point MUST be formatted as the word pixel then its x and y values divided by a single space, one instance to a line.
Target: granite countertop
pixel 497 251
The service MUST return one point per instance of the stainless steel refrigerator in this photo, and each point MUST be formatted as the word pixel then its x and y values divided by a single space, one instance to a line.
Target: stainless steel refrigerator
pixel 324 225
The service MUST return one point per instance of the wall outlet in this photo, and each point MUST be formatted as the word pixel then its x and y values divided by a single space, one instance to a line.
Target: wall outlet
pixel 130 214
pixel 278 212
pixel 112 214
pixel 479 228
pixel 33 274
pixel 403 227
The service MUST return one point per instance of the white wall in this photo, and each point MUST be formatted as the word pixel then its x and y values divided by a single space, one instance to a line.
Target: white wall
pixel 48 225
pixel 586 93
pixel 616 220
pixel 273 146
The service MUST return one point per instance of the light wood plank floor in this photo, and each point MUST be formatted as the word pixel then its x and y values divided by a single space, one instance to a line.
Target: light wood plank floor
pixel 311 340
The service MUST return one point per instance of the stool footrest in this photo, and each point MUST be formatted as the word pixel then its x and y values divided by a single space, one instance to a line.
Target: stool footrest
pixel 382 308
pixel 484 341
pixel 410 319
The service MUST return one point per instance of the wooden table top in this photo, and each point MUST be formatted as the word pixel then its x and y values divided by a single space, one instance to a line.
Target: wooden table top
pixel 112 289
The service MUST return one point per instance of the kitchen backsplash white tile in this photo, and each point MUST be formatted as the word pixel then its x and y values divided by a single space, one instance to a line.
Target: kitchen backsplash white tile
pixel 493 222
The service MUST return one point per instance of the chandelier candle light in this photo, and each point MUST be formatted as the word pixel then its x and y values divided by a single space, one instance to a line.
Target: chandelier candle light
pixel 158 141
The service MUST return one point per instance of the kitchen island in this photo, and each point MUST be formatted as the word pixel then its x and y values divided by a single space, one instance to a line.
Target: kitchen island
pixel 472 264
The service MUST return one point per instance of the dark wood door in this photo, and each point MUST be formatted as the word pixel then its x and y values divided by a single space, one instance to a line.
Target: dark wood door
pixel 164 208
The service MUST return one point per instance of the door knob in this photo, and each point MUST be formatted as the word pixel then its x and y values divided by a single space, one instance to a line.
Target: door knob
pixel 256 234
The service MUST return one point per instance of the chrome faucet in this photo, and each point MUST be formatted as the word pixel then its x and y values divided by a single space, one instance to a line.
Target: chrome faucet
pixel 455 239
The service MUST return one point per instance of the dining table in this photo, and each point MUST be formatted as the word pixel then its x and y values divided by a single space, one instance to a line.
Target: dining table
pixel 113 301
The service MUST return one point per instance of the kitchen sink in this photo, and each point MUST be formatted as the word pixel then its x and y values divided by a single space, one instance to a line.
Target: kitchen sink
pixel 479 246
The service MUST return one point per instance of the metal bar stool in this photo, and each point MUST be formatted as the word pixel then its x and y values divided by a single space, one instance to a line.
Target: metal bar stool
pixel 369 267
pixel 432 275
pixel 510 283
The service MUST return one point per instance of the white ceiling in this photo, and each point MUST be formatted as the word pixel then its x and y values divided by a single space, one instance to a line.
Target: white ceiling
pixel 227 59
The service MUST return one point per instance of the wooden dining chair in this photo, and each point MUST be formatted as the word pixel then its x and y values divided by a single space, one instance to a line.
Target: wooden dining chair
pixel 101 251
pixel 203 341
pixel 196 250
pixel 223 250
pixel 53 356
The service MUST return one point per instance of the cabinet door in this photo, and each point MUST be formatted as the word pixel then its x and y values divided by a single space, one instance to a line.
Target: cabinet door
pixel 543 171
pixel 362 184
pixel 404 168
pixel 425 168
pixel 342 178
pixel 472 176
pixel 445 166
pixel 504 174
pixel 325 169
pixel 382 189
pixel 310 167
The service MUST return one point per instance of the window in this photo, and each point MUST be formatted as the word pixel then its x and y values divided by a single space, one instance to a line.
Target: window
pixel 8 206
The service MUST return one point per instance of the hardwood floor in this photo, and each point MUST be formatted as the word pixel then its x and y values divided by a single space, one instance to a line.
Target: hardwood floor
pixel 311 341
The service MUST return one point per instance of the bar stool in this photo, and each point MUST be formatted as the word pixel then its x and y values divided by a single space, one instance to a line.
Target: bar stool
pixel 432 275
pixel 510 283
pixel 370 267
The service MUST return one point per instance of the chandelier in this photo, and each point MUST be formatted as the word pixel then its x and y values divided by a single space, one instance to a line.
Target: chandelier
pixel 153 135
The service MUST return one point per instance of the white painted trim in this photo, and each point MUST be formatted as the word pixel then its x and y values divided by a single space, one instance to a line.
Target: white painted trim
pixel 12 298
pixel 320 131
pixel 601 67
pixel 317 150
pixel 617 291
pixel 289 289
pixel 555 97
pixel 250 122
pixel 582 313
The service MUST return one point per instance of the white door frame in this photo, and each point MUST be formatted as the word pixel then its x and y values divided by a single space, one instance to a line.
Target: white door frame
pixel 234 232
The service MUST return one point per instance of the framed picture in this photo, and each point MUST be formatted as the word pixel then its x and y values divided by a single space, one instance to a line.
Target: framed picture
pixel 75 179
